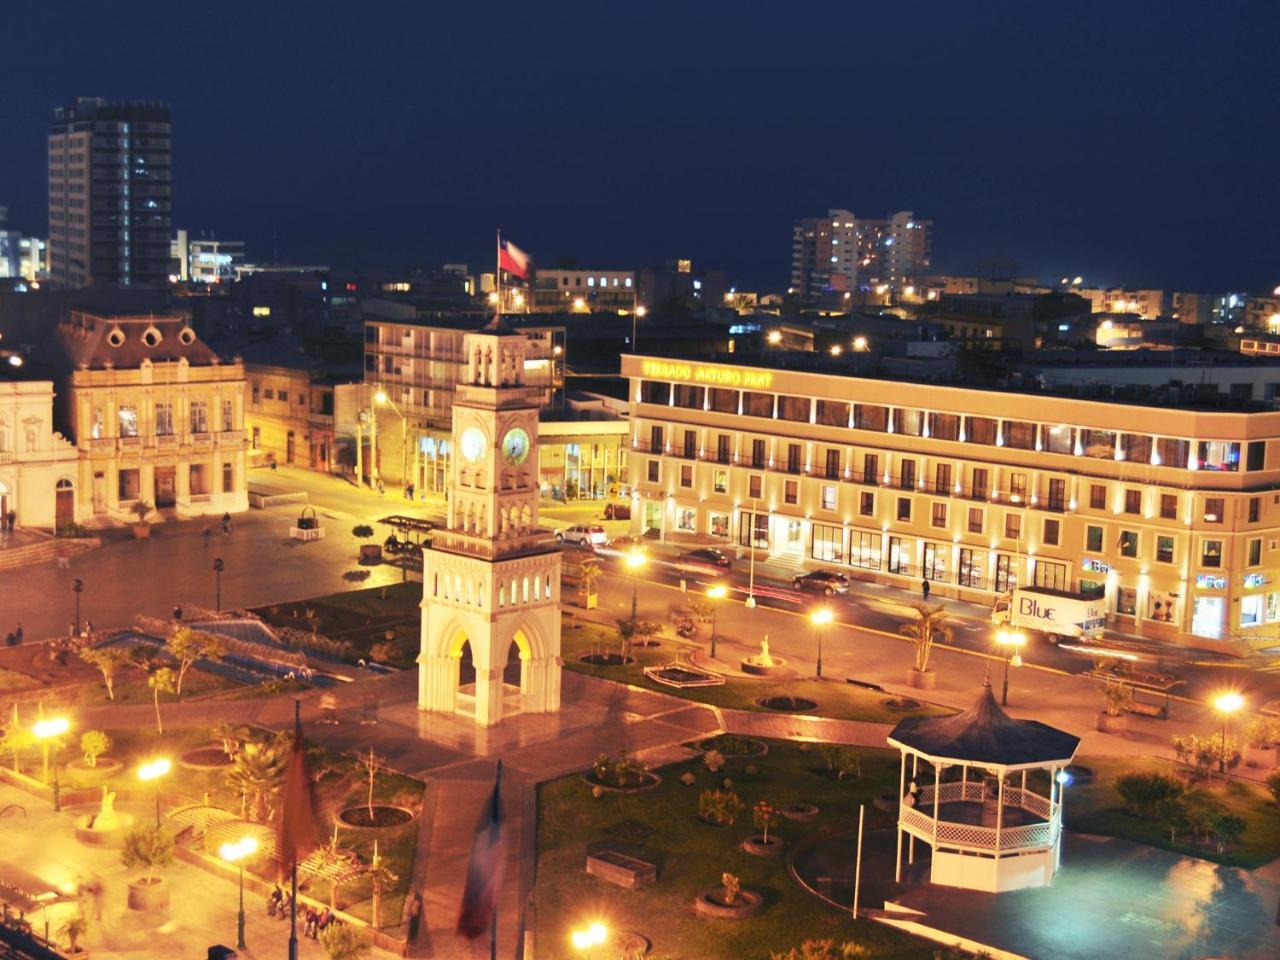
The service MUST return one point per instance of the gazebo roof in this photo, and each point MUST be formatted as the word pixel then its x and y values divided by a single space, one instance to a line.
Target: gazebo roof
pixel 985 734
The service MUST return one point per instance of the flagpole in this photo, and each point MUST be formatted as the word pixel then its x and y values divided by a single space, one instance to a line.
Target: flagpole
pixel 293 874
pixel 497 276
pixel 493 921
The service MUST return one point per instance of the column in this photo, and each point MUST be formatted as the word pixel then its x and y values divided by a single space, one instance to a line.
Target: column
pixel 438 683
pixel 902 787
pixel 488 694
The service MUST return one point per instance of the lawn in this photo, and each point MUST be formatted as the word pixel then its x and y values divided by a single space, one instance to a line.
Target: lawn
pixel 363 618
pixel 1095 807
pixel 662 824
pixel 841 701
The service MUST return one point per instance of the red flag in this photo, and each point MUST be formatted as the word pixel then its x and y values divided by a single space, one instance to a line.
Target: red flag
pixel 297 825
pixel 513 260
pixel 484 874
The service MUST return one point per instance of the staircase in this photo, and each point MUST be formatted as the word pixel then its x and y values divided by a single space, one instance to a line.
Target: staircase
pixel 46 550
pixel 103 521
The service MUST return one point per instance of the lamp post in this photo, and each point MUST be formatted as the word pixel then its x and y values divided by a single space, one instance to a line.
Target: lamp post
pixel 1226 704
pixel 715 592
pixel 820 618
pixel 47 731
pixel 750 602
pixel 218 567
pixel 381 398
pixel 635 315
pixel 1010 642
pixel 77 587
pixel 154 770
pixel 237 853
pixel 592 936
pixel 635 560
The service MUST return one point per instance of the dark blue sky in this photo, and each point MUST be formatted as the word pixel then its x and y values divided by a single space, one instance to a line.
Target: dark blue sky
pixel 1131 142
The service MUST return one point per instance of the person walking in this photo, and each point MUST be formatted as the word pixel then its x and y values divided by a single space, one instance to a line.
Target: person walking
pixel 226 523
pixel 924 590
pixel 18 633
pixel 413 907
pixel 10 519
pixel 208 536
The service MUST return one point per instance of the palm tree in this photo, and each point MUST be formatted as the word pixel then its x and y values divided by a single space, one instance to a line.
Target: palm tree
pixel 930 625
pixel 73 929
pixel 109 661
pixel 588 580
pixel 231 735
pixel 162 681
pixel 258 772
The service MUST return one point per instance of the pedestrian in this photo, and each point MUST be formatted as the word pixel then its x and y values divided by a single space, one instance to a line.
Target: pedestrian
pixel 924 589
pixel 18 633
pixel 208 535
pixel 382 488
pixel 10 640
pixel 10 519
pixel 88 627
pixel 413 907
pixel 177 612
pixel 413 488
pixel 226 523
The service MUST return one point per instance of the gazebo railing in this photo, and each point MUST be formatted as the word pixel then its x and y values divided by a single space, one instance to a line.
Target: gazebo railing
pixel 973 791
pixel 974 837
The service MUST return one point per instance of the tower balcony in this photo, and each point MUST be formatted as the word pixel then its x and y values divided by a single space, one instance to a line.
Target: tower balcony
pixel 477 545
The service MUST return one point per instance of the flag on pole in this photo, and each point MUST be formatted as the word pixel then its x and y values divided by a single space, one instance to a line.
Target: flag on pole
pixel 484 874
pixel 297 825
pixel 513 260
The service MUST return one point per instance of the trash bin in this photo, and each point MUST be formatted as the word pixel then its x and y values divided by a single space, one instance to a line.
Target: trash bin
pixel 220 952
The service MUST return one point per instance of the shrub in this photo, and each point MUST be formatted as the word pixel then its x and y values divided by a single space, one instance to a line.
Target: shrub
pixel 823 950
pixel 1196 812
pixel 619 772
pixel 713 760
pixel 840 761
pixel 688 779
pixel 719 806
pixel 1145 794
pixel 751 770
pixel 1228 830
pixel 764 815
pixel 148 848
pixel 1262 733
pixel 730 887
pixel 341 941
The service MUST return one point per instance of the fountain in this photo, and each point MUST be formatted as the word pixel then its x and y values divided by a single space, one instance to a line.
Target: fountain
pixel 105 827
pixel 764 664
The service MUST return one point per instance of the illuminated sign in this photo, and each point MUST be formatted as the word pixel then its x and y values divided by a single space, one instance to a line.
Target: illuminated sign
pixel 1254 580
pixel 1094 566
pixel 712 376
pixel 1207 581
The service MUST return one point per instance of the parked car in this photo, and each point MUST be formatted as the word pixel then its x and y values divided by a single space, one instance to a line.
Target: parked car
pixel 826 582
pixel 705 558
pixel 584 535
pixel 617 511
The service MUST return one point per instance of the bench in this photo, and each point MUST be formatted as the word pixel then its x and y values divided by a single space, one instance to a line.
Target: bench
pixel 1148 710
pixel 618 868
pixel 1158 685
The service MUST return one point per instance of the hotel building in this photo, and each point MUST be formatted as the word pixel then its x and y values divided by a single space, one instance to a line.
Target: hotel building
pixel 1172 514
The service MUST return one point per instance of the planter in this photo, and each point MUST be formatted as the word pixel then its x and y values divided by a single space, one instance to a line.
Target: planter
pixel 205 758
pixel 112 837
pixel 1263 757
pixel 1109 724
pixel 709 904
pixel 385 816
pixel 756 846
pixel 788 704
pixel 733 746
pixel 922 679
pixel 800 812
pixel 370 553
pixel 149 894
pixel 753 667
pixel 648 781
pixel 606 659
pixel 104 767
pixel 141 531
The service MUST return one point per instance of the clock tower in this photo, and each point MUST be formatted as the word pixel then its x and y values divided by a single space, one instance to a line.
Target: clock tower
pixel 491 580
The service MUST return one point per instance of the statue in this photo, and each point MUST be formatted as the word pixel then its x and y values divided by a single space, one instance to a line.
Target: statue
pixel 764 659
pixel 107 818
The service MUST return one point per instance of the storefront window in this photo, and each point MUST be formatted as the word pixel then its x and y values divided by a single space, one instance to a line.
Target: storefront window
pixel 1127 601
pixel 753 530
pixel 1206 616
pixel 686 519
pixel 794 529
pixel 827 543
pixel 864 550
pixel 718 525
pixel 899 556
pixel 1252 607
pixel 652 516
pixel 935 561
pixel 1051 575
pixel 970 571
pixel 1006 573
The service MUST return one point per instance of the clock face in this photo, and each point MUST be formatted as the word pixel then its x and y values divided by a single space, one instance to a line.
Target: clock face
pixel 515 446
pixel 472 444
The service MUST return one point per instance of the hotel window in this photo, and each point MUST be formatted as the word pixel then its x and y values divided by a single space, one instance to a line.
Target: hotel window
pixel 828 496
pixel 795 409
pixel 833 413
pixel 757 404
pixel 686 474
pixel 1173 453
pixel 754 485
pixel 754 526
pixel 718 525
pixel 942 478
pixel 257 392
pixel 1133 501
pixel 833 464
pixel 969 573
pixel 1168 506
pixel 164 419
pixel 864 550
pixel 1255 509
pixel 1128 543
pixel 980 430
pixel 1097 497
pixel 1012 526
pixel 827 543
pixel 980 483
pixel 653 467
pixel 870 468
pixel 724 401
pixel 1099 444
pixel 1219 455
pixel 1006 573
pixel 655 440
pixel 199 417
pixel 96 429
pixel 1019 434
pixel 938 515
pixel 1057 494
pixel 1135 447
pixel 1051 575
pixel 1256 455
pixel 687 520
pixel 907 479
pixel 1255 552
pixel 228 416
pixel 228 478
pixel 935 561
pixel 869 417
pixel 1211 553
pixel 793 457
pixel 757 452
pixel 944 426
pixel 690 444
pixel 722 448
pixel 904 508
pixel 128 419
pixel 1017 487
pixel 1164 549
pixel 1059 439
pixel 1052 530
pixel 1213 509
pixel 687 396
pixel 909 423
pixel 791 491
pixel 867 503
pixel 975 519
pixel 720 481
pixel 899 557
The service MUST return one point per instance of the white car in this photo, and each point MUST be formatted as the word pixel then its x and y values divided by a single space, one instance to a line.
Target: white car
pixel 584 535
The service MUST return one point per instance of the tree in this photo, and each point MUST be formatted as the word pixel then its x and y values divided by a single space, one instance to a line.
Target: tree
pixel 1146 795
pixel 149 848
pixel 73 928
pixel 764 815
pixel 372 764
pixel 589 579
pixel 930 625
pixel 142 508
pixel 187 646
pixel 17 740
pixel 93 744
pixel 362 531
pixel 257 772
pixel 160 682
pixel 344 942
pixel 701 607
pixel 1228 830
pixel 635 631
pixel 231 735
pixel 109 661
pixel 381 877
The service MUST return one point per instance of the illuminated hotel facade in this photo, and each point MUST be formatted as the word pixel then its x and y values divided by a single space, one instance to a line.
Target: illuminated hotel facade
pixel 1172 514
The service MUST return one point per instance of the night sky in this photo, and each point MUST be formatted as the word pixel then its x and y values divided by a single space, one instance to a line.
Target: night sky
pixel 1132 143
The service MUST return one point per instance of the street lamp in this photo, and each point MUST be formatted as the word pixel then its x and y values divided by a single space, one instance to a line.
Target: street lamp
pixel 218 567
pixel 820 618
pixel 636 314
pixel 382 398
pixel 46 731
pixel 1226 704
pixel 715 592
pixel 77 587
pixel 635 560
pixel 154 770
pixel 1011 642
pixel 237 853
pixel 592 936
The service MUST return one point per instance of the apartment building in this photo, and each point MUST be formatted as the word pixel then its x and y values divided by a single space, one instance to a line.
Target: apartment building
pixel 841 252
pixel 581 291
pixel 1147 304
pixel 1171 513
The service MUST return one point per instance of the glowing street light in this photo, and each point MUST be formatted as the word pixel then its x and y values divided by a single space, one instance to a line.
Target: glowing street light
pixel 774 337
pixel 154 770
pixel 635 561
pixel 48 731
pixel 592 936
pixel 1011 642
pixel 860 344
pixel 636 314
pixel 237 853
pixel 1226 704
pixel 820 618
pixel 715 592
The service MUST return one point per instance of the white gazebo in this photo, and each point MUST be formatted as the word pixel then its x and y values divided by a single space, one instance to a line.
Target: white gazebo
pixel 986 829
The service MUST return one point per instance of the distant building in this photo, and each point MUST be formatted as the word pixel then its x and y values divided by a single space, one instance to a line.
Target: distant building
pixel 37 466
pixel 1147 304
pixel 842 252
pixel 1191 307
pixel 677 278
pixel 205 260
pixel 110 194
pixel 1262 314
pixel 579 291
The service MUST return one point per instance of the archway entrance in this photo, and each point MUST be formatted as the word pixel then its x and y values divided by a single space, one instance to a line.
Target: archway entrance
pixel 64 504
pixel 512 675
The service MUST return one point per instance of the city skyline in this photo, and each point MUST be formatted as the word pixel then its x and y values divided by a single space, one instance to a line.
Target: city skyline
pixel 394 162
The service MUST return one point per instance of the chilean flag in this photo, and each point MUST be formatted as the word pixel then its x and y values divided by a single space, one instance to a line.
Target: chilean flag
pixel 484 874
pixel 513 260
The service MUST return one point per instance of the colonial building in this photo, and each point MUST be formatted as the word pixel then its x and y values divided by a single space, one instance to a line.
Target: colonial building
pixel 1171 512
pixel 37 466
pixel 158 418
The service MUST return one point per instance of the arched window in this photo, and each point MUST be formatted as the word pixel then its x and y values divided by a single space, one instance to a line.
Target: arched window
pixel 502 594
pixel 515 597
pixel 537 588
pixel 435 584
pixel 524 593
pixel 457 588
pixel 548 587
pixel 470 596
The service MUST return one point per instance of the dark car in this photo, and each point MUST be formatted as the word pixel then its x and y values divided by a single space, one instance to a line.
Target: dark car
pixel 704 558
pixel 826 582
